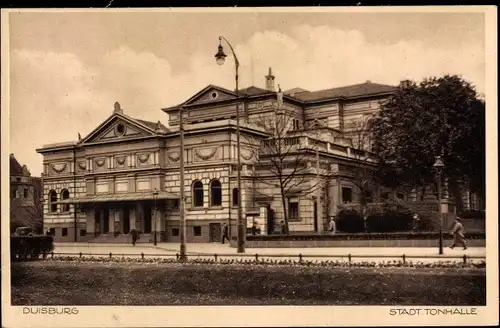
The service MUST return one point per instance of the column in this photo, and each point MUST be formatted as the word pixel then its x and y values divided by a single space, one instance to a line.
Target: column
pixel 101 219
pixel 121 218
pixel 90 220
pixel 111 221
pixel 132 218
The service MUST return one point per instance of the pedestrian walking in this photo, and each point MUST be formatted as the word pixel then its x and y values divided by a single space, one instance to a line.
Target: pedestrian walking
pixel 135 234
pixel 283 227
pixel 458 233
pixel 332 226
pixel 225 233
pixel 254 229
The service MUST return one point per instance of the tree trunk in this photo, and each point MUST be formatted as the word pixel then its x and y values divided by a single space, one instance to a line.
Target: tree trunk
pixel 285 214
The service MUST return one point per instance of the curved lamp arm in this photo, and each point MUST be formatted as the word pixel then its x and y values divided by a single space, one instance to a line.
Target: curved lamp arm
pixel 236 61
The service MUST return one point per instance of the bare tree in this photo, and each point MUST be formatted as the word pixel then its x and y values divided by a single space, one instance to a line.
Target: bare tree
pixel 282 159
pixel 357 137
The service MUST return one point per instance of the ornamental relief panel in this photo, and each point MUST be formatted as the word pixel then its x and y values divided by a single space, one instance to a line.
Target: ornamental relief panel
pixel 82 166
pixel 58 167
pixel 99 163
pixel 173 157
pixel 120 160
pixel 207 154
pixel 144 159
pixel 247 154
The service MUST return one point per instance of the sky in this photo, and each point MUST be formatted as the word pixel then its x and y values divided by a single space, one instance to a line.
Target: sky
pixel 68 69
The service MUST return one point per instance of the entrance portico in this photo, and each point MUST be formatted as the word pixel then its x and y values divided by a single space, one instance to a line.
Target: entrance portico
pixel 111 216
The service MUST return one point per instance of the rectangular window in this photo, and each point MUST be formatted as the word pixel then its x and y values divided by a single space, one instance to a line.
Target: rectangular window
pixel 25 192
pixel 175 232
pixel 83 232
pixel 197 230
pixel 293 208
pixel 400 196
pixel 64 232
pixel 52 231
pixel 346 195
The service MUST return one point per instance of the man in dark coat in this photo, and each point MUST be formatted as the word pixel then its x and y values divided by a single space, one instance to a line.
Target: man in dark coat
pixel 225 232
pixel 135 234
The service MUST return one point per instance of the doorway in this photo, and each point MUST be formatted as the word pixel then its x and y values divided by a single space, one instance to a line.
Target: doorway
pixel 126 220
pixel 270 220
pixel 105 220
pixel 97 222
pixel 215 232
pixel 147 218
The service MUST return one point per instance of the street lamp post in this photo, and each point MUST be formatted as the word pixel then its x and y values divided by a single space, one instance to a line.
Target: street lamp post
pixel 438 166
pixel 182 198
pixel 155 195
pixel 220 57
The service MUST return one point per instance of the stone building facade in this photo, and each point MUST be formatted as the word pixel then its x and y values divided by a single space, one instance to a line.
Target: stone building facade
pixel 125 173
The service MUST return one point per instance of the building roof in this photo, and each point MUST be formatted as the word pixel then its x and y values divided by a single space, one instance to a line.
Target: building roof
pixel 255 91
pixel 15 167
pixel 151 125
pixel 351 91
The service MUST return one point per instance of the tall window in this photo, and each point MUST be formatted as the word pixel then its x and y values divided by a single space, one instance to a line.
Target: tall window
pixel 293 208
pixel 52 200
pixel 197 194
pixel 346 195
pixel 26 194
pixel 65 195
pixel 236 196
pixel 215 193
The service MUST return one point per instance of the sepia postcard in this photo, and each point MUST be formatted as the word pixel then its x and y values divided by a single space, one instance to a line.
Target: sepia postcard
pixel 220 167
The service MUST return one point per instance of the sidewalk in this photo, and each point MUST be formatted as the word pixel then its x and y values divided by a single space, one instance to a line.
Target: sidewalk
pixel 205 250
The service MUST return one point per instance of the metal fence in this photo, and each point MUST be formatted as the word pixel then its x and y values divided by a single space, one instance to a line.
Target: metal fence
pixel 300 257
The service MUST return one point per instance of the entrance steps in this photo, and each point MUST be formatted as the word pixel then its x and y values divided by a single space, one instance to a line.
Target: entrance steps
pixel 121 239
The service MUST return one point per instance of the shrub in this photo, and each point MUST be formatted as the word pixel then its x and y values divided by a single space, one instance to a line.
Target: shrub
pixel 349 220
pixel 473 214
pixel 30 247
pixel 393 217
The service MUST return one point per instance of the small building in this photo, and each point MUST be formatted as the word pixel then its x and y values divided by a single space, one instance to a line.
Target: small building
pixel 25 197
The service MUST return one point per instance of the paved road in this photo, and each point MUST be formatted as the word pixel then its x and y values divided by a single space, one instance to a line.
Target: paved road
pixel 207 250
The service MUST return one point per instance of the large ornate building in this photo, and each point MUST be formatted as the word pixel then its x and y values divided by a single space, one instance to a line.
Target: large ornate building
pixel 125 173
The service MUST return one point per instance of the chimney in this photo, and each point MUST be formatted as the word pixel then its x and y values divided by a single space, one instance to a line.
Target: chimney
pixel 270 80
pixel 405 84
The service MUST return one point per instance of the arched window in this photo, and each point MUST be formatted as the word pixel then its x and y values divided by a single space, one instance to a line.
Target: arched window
pixel 65 195
pixel 52 200
pixel 215 193
pixel 236 197
pixel 197 194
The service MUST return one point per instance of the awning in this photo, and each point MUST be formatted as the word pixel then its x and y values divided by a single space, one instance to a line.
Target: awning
pixel 119 197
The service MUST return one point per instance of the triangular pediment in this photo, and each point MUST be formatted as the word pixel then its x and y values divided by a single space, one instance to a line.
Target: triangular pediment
pixel 117 127
pixel 210 94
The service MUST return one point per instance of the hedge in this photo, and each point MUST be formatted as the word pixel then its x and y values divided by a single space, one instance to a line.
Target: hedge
pixel 364 236
pixel 23 248
pixel 457 264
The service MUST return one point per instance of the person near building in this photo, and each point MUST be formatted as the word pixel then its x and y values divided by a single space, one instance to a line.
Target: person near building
pixel 135 235
pixel 332 226
pixel 458 233
pixel 225 233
